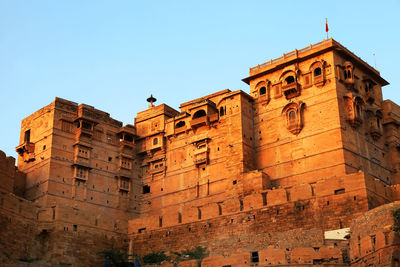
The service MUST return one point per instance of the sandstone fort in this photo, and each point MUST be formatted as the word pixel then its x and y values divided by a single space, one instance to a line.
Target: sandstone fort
pixel 302 169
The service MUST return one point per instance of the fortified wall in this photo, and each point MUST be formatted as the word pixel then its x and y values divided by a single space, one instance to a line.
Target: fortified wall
pixel 282 175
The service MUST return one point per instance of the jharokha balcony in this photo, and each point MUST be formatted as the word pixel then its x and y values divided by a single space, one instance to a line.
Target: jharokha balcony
pixel 291 90
pixel 199 121
pixel 26 150
pixel 124 172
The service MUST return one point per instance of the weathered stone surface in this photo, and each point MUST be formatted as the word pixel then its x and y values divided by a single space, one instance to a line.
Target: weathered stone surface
pixel 255 179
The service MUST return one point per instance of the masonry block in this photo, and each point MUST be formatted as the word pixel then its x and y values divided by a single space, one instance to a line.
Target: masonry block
pixel 230 205
pixel 253 201
pixel 300 192
pixel 276 197
pixel 272 256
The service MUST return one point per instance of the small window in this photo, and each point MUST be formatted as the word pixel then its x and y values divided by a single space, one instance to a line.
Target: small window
pixel 27 137
pixel 155 141
pixel 221 111
pixel 358 110
pixel 317 72
pixel 292 116
pixel 348 71
pixel 66 126
pixel 75 227
pixel 263 90
pixel 373 241
pixel 198 213
pixel 254 257
pixel 160 221
pixel 128 138
pixel 180 124
pixel 146 189
pixel 179 217
pixel 86 125
pixel 339 191
pixel 289 79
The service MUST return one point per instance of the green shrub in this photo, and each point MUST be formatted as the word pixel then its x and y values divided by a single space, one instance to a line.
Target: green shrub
pixel 155 257
pixel 396 221
pixel 114 256
pixel 197 253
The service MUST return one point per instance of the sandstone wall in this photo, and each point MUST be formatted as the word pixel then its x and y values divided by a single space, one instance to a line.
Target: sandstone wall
pixel 258 220
pixel 373 242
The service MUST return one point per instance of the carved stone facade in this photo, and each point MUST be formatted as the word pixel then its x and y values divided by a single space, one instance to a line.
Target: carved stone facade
pixel 257 179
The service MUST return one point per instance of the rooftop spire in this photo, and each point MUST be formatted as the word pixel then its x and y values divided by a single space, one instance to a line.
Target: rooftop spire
pixel 151 99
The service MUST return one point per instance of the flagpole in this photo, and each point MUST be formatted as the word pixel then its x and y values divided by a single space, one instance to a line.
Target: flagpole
pixel 326 28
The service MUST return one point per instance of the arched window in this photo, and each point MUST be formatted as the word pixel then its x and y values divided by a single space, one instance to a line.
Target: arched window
pixel 221 111
pixel 292 116
pixel 379 120
pixel 289 79
pixel 155 141
pixel 263 90
pixel 348 71
pixel 180 124
pixel 317 71
pixel 198 114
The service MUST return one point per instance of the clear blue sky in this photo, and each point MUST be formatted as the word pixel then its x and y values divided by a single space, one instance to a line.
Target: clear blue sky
pixel 113 54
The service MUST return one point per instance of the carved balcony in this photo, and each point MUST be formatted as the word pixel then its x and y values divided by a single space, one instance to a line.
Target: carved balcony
pixel 81 161
pixel 181 129
pixel 158 170
pixel 201 156
pixel 26 150
pixel 123 184
pixel 213 117
pixel 291 90
pixel 199 122
pixel 370 97
pixel 355 122
pixel 375 132
pixel 295 127
pixel 123 144
pixel 124 172
pixel 82 132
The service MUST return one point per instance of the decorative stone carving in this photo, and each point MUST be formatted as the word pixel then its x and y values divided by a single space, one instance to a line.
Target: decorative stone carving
pixel 293 116
pixel 354 106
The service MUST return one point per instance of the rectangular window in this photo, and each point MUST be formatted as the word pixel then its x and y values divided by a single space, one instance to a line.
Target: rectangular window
pixel 66 126
pixel 98 134
pixel 109 138
pixel 254 257
pixel 146 189
pixel 83 152
pixel 27 136
pixel 339 191
pixel 124 183
pixel 81 173
pixel 126 163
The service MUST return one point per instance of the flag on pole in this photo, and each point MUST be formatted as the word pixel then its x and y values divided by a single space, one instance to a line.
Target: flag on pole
pixel 326 25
